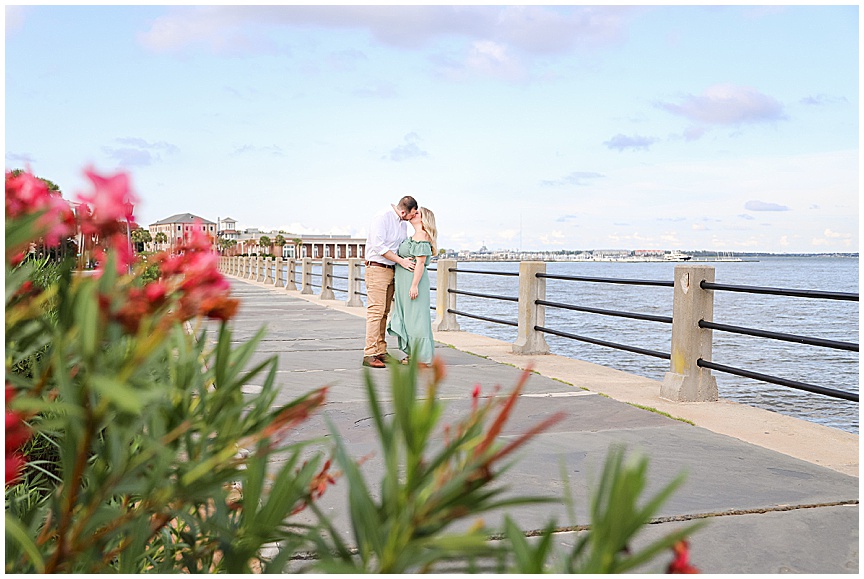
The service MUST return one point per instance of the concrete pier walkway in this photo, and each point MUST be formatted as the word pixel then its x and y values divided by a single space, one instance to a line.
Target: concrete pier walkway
pixel 774 503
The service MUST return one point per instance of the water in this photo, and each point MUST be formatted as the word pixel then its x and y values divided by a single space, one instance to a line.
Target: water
pixel 834 320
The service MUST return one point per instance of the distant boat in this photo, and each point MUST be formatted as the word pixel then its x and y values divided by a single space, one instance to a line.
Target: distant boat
pixel 677 256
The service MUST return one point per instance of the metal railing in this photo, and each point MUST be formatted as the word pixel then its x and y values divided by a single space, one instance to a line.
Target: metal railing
pixel 701 330
pixel 811 341
pixel 605 312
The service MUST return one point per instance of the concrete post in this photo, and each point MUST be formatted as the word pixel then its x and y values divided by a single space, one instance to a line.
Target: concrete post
pixel 277 272
pixel 354 279
pixel 306 276
pixel 257 276
pixel 687 382
pixel 290 282
pixel 531 289
pixel 446 279
pixel 266 263
pixel 327 279
pixel 244 267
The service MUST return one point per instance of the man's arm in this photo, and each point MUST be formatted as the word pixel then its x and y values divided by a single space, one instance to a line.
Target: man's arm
pixel 403 261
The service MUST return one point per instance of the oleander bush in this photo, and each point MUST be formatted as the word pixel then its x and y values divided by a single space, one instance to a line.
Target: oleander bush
pixel 131 446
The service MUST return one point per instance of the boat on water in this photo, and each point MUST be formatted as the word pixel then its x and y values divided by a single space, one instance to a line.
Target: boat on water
pixel 677 256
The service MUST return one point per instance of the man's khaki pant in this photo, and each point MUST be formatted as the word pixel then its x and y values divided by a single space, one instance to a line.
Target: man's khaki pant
pixel 379 295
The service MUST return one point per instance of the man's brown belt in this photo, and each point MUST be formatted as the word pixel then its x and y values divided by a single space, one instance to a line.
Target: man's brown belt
pixel 377 264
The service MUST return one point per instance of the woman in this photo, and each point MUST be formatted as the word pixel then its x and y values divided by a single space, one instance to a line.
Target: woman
pixel 410 320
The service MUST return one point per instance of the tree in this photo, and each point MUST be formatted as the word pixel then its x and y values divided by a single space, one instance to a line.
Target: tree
pixel 225 243
pixel 297 243
pixel 140 236
pixel 264 242
pixel 160 237
pixel 52 187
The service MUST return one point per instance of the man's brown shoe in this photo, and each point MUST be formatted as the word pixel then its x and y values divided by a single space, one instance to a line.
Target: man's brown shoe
pixel 386 357
pixel 373 362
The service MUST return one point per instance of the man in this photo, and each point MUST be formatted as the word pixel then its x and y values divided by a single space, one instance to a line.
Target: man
pixel 389 228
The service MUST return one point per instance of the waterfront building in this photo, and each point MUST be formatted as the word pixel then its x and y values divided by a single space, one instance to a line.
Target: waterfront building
pixel 178 228
pixel 227 229
pixel 298 246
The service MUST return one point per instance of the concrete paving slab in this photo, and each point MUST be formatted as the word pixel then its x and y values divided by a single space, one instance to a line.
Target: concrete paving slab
pixel 767 511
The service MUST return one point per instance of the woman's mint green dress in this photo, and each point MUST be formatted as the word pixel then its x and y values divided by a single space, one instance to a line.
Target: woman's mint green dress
pixel 411 320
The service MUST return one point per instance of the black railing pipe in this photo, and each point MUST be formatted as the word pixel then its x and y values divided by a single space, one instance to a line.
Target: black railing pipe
pixel 851 297
pixel 781 381
pixel 833 344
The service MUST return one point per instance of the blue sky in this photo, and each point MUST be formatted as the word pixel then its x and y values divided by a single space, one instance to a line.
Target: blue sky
pixel 728 128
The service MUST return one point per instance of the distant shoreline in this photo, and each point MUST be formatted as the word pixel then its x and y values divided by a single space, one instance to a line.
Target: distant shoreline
pixel 741 258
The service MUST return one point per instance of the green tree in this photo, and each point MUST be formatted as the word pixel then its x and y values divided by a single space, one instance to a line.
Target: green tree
pixel 297 244
pixel 53 187
pixel 160 237
pixel 264 242
pixel 226 243
pixel 139 237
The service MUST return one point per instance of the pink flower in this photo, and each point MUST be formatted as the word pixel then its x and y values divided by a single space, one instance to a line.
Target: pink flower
pixel 681 563
pixel 155 292
pixel 111 199
pixel 17 433
pixel 29 195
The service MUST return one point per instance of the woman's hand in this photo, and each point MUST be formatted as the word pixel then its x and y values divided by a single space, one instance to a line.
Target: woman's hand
pixel 413 292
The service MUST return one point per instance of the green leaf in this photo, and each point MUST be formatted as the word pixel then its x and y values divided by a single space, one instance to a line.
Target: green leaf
pixel 17 533
pixel 120 394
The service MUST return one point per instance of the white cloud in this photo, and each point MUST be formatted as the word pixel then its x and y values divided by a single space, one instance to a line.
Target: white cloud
pixel 508 234
pixel 727 104
pixel 137 152
pixel 834 239
pixel 273 150
pixel 531 29
pixel 15 17
pixel 23 158
pixel 577 178
pixel 552 238
pixel 763 206
pixel 622 142
pixel 410 150
pixel 490 58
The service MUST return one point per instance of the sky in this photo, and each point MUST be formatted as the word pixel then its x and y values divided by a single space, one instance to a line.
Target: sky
pixel 535 128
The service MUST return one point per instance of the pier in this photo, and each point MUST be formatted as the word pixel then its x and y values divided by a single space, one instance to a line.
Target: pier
pixel 779 494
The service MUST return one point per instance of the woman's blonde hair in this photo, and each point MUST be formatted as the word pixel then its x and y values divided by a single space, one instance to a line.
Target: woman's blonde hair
pixel 427 218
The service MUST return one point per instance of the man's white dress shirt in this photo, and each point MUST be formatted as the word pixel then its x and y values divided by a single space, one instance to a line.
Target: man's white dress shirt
pixel 385 234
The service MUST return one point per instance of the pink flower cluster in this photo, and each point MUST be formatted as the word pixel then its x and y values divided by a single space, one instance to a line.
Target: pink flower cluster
pixel 27 196
pixel 105 218
pixel 189 278
pixel 17 433
pixel 104 215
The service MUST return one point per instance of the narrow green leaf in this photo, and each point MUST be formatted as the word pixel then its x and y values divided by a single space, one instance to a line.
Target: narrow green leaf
pixel 20 535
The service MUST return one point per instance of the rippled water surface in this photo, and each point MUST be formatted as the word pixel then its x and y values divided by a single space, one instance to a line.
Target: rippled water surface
pixel 834 320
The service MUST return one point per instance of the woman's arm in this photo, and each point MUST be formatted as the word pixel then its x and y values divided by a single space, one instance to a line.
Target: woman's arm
pixel 418 273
